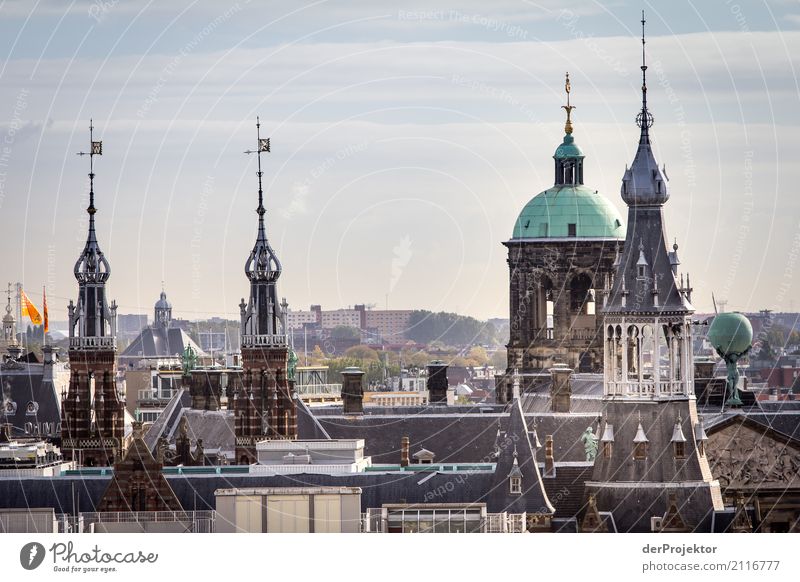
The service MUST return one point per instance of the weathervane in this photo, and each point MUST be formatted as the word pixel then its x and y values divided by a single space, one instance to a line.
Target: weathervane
pixel 263 146
pixel 568 108
pixel 95 149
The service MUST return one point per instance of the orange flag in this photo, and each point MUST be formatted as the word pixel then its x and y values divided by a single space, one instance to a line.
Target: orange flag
pixel 44 308
pixel 29 309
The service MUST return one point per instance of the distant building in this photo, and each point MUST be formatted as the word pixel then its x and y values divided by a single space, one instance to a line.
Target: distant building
pixel 380 324
pixel 161 344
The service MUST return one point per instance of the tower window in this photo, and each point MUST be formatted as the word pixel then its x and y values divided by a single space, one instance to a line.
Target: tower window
pixel 607 450
pixel 572 229
pixel 516 485
pixel 640 271
pixel 640 451
pixel 680 450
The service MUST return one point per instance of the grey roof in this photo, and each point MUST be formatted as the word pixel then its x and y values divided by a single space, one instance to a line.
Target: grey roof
pixel 644 190
pixel 167 421
pixel 159 342
pixel 516 442
pixel 454 435
pixel 21 387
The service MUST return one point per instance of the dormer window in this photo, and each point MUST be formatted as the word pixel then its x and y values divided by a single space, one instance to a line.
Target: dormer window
pixel 608 448
pixel 572 229
pixel 515 484
pixel 680 450
pixel 640 272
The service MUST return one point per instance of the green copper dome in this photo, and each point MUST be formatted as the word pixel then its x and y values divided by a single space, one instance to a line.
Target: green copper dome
pixel 568 148
pixel 550 214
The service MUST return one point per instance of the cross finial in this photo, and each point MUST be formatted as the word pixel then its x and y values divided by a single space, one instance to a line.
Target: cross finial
pixel 568 108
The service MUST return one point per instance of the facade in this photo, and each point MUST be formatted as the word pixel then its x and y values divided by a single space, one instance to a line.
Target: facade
pixel 289 510
pixel 652 444
pixel 264 406
pixel 560 258
pixel 92 411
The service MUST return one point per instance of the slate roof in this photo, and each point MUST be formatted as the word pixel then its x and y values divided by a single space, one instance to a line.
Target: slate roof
pixel 159 342
pixel 516 441
pixel 452 434
pixel 19 388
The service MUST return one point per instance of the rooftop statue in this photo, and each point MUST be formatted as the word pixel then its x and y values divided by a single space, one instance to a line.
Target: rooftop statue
pixel 589 443
pixel 292 365
pixel 189 359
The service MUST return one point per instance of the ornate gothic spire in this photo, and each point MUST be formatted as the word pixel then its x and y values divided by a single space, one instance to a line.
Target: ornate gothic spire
pixel 644 184
pixel 263 263
pixel 92 266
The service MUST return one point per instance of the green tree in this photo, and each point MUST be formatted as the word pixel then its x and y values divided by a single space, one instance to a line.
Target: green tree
pixel 361 353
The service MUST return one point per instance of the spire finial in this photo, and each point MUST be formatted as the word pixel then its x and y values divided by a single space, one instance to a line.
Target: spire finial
pixel 95 149
pixel 8 305
pixel 263 146
pixel 645 119
pixel 568 108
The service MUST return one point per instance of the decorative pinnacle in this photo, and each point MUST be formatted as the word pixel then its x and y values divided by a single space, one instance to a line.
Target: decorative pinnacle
pixel 645 119
pixel 568 108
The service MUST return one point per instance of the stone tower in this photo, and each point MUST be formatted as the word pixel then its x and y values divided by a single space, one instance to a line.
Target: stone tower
pixel 92 411
pixel 9 337
pixel 162 311
pixel 560 257
pixel 264 404
pixel 649 464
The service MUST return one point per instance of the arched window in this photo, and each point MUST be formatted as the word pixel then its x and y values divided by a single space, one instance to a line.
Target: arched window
pixel 647 352
pixel 633 352
pixel 579 287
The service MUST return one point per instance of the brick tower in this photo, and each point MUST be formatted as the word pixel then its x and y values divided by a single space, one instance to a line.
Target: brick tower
pixel 92 411
pixel 264 404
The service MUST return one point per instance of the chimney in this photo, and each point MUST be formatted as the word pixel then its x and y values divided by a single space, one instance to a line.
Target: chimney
pixel 561 388
pixel 549 462
pixel 437 382
pixel 49 369
pixel 353 390
pixel 404 447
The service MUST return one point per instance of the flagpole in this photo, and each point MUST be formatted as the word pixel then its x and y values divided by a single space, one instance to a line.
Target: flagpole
pixel 44 320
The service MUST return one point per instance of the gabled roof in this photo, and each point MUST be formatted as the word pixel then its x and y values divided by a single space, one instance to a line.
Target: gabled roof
pixel 534 498
pixel 160 342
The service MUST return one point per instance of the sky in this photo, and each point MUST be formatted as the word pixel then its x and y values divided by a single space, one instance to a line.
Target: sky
pixel 406 137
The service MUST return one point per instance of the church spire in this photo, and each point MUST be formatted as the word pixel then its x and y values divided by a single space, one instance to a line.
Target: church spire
pixel 645 119
pixel 92 266
pixel 263 263
pixel 261 315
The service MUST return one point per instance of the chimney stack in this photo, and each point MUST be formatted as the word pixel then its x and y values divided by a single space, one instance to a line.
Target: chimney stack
pixel 437 382
pixel 561 388
pixel 549 462
pixel 404 448
pixel 353 390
